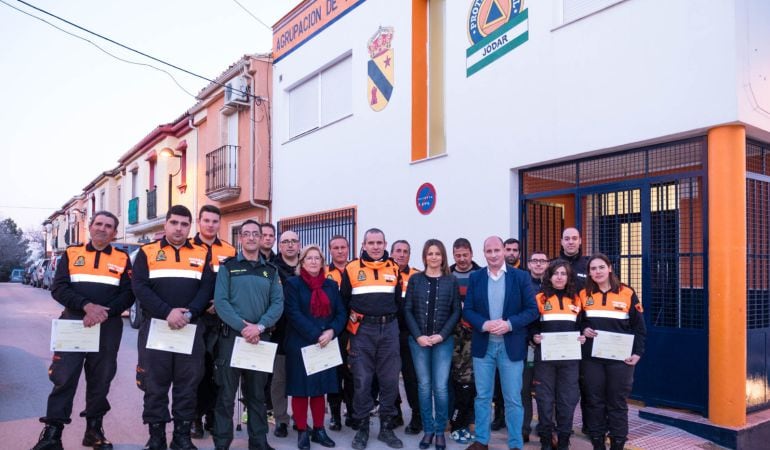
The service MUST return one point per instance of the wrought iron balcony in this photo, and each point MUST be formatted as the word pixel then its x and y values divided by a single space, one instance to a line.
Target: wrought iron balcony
pixel 133 211
pixel 222 173
pixel 152 203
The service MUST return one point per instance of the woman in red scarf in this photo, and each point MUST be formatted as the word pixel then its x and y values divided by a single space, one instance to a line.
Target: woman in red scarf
pixel 315 316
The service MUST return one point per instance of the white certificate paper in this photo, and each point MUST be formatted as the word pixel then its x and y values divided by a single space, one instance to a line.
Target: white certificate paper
pixel 72 336
pixel 162 337
pixel 610 345
pixel 317 358
pixel 560 346
pixel 259 356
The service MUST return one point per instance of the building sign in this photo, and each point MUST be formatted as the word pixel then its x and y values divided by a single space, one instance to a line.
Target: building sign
pixel 379 85
pixel 426 198
pixel 305 21
pixel 495 27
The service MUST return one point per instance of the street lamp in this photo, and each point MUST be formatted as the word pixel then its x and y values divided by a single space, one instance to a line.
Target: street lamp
pixel 168 153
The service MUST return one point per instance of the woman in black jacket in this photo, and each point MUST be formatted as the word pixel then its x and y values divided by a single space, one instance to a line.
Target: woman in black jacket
pixel 431 311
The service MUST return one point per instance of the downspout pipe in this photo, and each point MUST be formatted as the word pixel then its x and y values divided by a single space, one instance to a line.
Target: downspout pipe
pixel 252 143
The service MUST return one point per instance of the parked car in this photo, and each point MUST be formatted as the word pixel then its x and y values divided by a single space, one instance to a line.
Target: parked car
pixel 39 271
pixel 50 272
pixel 28 274
pixel 17 275
pixel 135 311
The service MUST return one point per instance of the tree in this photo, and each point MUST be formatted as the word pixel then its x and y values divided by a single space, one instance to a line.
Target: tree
pixel 13 248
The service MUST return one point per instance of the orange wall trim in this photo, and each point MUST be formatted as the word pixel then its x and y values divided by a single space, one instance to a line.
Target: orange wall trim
pixel 727 275
pixel 419 79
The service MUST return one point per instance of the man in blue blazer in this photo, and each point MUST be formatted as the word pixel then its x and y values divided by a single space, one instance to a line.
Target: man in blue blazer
pixel 499 305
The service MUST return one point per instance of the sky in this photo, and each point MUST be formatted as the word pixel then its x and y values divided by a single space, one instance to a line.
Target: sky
pixel 69 110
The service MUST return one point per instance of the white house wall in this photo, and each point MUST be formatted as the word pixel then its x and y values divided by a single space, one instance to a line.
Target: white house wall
pixel 638 72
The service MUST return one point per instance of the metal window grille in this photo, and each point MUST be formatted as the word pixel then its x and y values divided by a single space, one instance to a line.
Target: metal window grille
pixel 758 236
pixel 544 224
pixel 222 168
pixel 235 237
pixel 652 231
pixel 675 157
pixel 319 228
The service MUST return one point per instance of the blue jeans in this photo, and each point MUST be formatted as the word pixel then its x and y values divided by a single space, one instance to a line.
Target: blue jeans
pixel 510 380
pixel 432 366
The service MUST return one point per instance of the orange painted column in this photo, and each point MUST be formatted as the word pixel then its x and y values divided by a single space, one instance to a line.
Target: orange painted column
pixel 419 79
pixel 727 274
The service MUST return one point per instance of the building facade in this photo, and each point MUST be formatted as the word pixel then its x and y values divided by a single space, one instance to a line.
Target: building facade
pixel 644 125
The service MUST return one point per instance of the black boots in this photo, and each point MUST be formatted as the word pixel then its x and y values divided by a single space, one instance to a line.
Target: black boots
pixel 94 435
pixel 181 440
pixel 546 442
pixel 387 435
pixel 303 440
pixel 362 435
pixel 563 442
pixel 157 439
pixel 617 443
pixel 50 437
pixel 319 436
pixel 335 423
pixel 598 443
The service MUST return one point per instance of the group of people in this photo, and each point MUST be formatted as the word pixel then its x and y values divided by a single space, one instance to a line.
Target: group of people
pixel 465 339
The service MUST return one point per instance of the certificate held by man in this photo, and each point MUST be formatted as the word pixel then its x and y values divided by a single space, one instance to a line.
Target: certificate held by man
pixel 164 338
pixel 259 356
pixel 73 336
pixel 561 346
pixel 610 345
pixel 317 358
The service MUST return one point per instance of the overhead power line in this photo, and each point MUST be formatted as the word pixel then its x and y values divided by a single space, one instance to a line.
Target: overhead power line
pixel 126 47
pixel 102 49
pixel 252 15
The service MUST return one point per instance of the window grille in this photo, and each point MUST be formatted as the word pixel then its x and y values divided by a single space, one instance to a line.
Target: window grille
pixel 758 236
pixel 320 227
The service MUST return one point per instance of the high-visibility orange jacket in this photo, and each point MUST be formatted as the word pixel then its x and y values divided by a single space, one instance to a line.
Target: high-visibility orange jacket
pixel 371 287
pixel 618 311
pixel 87 275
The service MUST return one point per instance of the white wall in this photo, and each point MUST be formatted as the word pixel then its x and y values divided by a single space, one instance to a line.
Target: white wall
pixel 753 62
pixel 638 72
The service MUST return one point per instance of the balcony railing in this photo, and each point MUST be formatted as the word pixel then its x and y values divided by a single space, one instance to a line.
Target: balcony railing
pixel 222 173
pixel 133 211
pixel 152 203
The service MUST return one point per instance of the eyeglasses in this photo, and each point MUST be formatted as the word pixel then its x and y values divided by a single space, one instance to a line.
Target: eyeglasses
pixel 248 234
pixel 290 241
pixel 312 258
pixel 538 261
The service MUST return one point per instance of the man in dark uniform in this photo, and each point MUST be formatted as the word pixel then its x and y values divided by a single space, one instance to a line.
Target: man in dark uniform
pixel 249 299
pixel 572 252
pixel 92 283
pixel 208 228
pixel 286 261
pixel 537 264
pixel 173 282
pixel 370 286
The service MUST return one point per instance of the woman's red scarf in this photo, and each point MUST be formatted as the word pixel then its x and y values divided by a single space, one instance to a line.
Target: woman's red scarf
pixel 319 301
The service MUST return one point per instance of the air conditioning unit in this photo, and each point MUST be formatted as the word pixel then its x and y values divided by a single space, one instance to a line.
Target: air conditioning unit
pixel 237 92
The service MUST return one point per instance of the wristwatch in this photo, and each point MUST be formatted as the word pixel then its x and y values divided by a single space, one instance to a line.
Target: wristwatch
pixel 261 328
pixel 187 315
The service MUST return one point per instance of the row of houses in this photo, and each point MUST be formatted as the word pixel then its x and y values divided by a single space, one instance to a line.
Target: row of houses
pixel 217 152
pixel 645 124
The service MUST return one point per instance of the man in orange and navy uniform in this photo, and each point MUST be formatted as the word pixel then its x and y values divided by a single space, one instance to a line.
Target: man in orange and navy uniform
pixel 371 288
pixel 173 281
pixel 401 251
pixel 92 283
pixel 209 218
pixel 339 249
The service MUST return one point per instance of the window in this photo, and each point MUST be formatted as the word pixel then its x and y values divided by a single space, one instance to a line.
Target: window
pixel 134 182
pixel 321 99
pixel 320 227
pixel 572 10
pixel 102 194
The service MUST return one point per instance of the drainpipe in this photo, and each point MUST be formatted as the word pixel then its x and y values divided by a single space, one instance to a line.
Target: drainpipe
pixel 191 123
pixel 252 145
